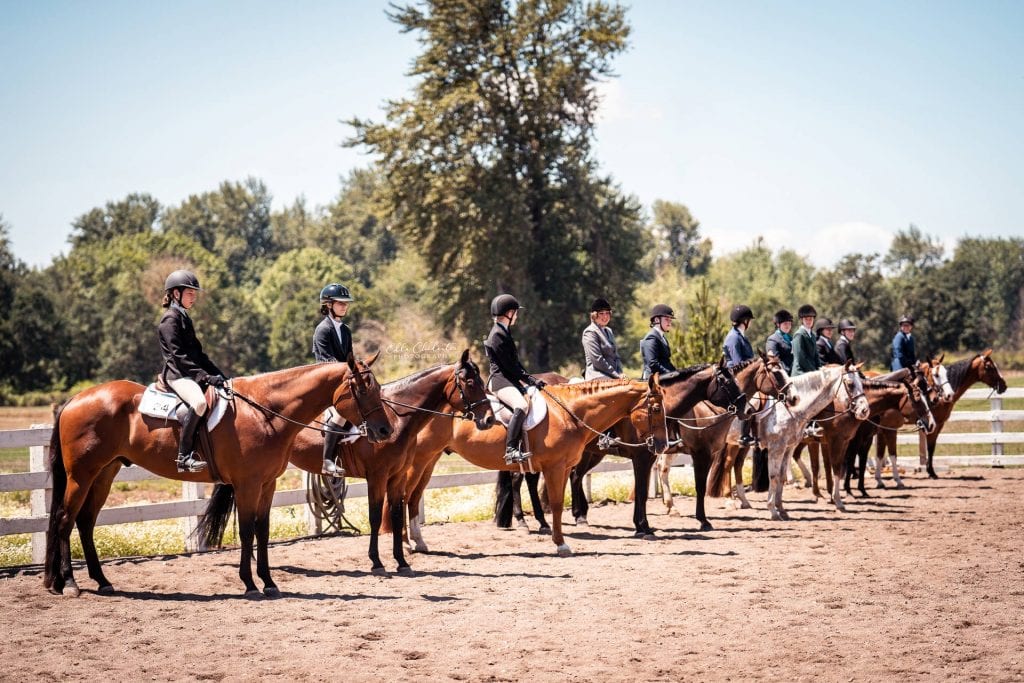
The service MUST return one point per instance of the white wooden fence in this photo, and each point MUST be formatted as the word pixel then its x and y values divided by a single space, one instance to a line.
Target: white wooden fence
pixel 39 480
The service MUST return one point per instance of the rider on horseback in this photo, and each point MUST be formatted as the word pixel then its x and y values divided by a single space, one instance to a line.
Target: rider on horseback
pixel 508 376
pixel 843 349
pixel 903 353
pixel 332 343
pixel 187 369
pixel 654 348
pixel 780 343
pixel 737 349
pixel 805 351
pixel 826 351
pixel 599 349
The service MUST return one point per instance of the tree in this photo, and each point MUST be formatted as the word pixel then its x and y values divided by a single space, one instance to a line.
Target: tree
pixel 488 165
pixel 136 213
pixel 913 252
pixel 677 236
pixel 38 335
pixel 11 273
pixel 699 339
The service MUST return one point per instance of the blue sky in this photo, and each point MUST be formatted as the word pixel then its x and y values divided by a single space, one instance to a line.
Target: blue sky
pixel 822 126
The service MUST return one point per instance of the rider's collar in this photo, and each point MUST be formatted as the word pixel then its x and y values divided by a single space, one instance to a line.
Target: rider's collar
pixel 184 311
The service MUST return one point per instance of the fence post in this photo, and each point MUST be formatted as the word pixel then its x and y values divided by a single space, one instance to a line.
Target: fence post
pixel 193 490
pixel 39 461
pixel 997 428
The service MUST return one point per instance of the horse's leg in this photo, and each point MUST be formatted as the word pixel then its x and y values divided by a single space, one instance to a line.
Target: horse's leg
pixel 741 491
pixel 578 497
pixel 74 498
pixel 825 453
pixel 777 459
pixel 863 451
pixel 932 439
pixel 396 509
pixel 664 467
pixel 838 469
pixel 701 468
pixel 892 459
pixel 879 460
pixel 517 499
pixel 809 479
pixel 262 529
pixel 86 522
pixel 375 503
pixel 415 522
pixel 247 503
pixel 532 484
pixel 851 464
pixel 504 506
pixel 555 475
pixel 642 460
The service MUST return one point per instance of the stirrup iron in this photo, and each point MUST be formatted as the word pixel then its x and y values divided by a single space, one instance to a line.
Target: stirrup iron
pixel 189 463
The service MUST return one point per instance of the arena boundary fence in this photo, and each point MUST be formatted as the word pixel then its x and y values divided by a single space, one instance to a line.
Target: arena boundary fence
pixel 39 479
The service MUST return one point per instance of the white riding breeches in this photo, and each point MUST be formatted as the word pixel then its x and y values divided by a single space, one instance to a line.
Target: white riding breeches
pixel 190 392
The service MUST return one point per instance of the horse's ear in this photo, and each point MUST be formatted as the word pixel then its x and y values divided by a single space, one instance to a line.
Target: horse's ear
pixel 652 383
pixel 941 356
pixel 369 363
pixel 465 357
pixel 987 353
pixel 351 360
pixel 859 365
pixel 762 354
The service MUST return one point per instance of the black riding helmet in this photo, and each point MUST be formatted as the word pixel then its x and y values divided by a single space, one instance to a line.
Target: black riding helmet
pixel 740 313
pixel 661 310
pixel 783 316
pixel 600 304
pixel 906 319
pixel 182 278
pixel 846 324
pixel 335 292
pixel 806 310
pixel 502 304
pixel 823 324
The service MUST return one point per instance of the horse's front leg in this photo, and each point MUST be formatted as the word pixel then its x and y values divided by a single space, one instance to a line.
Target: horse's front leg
pixel 396 509
pixel 577 495
pixel 701 468
pixel 737 465
pixel 375 504
pixel 879 460
pixel 664 468
pixel 895 470
pixel 777 458
pixel 932 439
pixel 247 505
pixel 642 461
pixel 555 475
pixel 532 483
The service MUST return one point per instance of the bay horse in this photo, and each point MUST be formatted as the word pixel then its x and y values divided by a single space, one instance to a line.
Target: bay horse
pixel 100 427
pixel 724 387
pixel 577 413
pixel 898 391
pixel 782 425
pixel 429 400
pixel 962 375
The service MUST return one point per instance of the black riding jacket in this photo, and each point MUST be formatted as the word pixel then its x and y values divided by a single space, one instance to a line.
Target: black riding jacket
pixel 501 351
pixel 183 354
pixel 327 346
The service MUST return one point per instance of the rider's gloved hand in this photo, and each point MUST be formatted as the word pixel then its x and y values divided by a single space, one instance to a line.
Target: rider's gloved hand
pixel 216 380
pixel 539 383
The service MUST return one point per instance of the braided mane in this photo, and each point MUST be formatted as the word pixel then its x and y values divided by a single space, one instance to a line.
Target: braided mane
pixel 670 378
pixel 958 371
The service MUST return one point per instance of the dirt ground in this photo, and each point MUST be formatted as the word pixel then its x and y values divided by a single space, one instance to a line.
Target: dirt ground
pixel 920 584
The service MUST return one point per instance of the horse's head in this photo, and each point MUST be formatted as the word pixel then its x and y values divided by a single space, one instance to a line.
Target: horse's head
pixel 989 373
pixel 938 378
pixel 466 381
pixel 855 399
pixel 773 380
pixel 919 400
pixel 648 417
pixel 366 409
pixel 724 392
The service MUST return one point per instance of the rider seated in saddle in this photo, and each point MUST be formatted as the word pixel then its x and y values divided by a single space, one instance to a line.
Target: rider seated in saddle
pixel 826 351
pixel 332 343
pixel 599 349
pixel 805 353
pixel 843 348
pixel 654 348
pixel 780 343
pixel 737 349
pixel 508 378
pixel 186 370
pixel 903 353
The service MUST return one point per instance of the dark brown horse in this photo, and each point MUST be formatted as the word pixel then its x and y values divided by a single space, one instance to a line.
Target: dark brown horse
pixel 442 394
pixel 575 413
pixel 102 426
pixel 962 375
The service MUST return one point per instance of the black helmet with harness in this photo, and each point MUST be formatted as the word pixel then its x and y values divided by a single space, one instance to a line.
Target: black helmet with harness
pixel 185 279
pixel 846 324
pixel 502 304
pixel 783 316
pixel 740 314
pixel 335 292
pixel 661 310
pixel 807 311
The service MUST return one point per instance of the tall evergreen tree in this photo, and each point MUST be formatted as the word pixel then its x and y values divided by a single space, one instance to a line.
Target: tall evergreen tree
pixel 489 168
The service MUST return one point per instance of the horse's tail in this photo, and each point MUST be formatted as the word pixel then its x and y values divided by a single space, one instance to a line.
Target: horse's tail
pixel 718 475
pixel 51 568
pixel 211 528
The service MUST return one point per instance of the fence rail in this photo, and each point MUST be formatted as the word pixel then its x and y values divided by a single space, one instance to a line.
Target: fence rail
pixel 39 479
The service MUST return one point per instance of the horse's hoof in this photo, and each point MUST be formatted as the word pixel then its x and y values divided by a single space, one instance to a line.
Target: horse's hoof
pixel 582 521
pixel 406 570
pixel 253 594
pixel 421 547
pixel 672 512
pixel 932 475
pixel 901 485
pixel 706 526
pixel 776 517
pixel 521 523
pixel 564 550
pixel 864 493
pixel 272 591
pixel 649 536
pixel 746 506
pixel 544 531
pixel 879 485
pixel 379 571
pixel 784 515
pixel 106 590
pixel 71 591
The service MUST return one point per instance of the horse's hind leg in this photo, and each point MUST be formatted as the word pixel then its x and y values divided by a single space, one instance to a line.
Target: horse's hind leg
pixel 879 460
pixel 892 459
pixel 642 462
pixel 555 475
pixel 741 491
pixel 86 522
pixel 516 492
pixel 247 504
pixel 701 467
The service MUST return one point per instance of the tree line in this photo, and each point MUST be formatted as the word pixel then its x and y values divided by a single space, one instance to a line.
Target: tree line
pixel 483 181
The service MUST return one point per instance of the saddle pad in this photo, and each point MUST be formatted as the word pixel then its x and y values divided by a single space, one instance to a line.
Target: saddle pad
pixel 538 409
pixel 165 406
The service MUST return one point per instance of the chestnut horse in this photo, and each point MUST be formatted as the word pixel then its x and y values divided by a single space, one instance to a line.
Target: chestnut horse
pixel 896 391
pixel 101 426
pixel 431 399
pixel 726 388
pixel 962 375
pixel 577 413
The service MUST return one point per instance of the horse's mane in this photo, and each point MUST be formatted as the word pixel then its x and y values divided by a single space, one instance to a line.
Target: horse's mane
pixel 589 387
pixel 811 381
pixel 742 364
pixel 670 378
pixel 957 372
pixel 402 383
pixel 872 383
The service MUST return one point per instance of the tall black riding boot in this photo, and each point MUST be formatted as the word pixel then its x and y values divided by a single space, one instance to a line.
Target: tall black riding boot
pixel 746 439
pixel 513 454
pixel 187 460
pixel 331 437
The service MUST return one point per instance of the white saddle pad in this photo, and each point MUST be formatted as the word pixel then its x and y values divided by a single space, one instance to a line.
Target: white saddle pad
pixel 538 409
pixel 165 406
